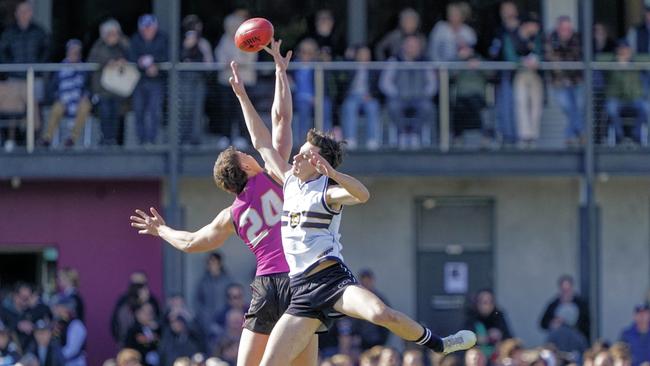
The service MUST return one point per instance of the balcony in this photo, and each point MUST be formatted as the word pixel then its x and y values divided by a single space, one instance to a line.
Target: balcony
pixel 479 150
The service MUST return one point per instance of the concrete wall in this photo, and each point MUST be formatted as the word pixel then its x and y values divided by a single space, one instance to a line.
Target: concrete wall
pixel 536 240
pixel 625 254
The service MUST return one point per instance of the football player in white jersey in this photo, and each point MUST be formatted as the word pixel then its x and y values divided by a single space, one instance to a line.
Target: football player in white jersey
pixel 322 286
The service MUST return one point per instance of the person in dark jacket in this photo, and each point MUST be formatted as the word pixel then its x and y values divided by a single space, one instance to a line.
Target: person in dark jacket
pixel 109 50
pixel 564 335
pixel 123 318
pixel 178 340
pixel 24 41
pixel 21 43
pixel 211 296
pixel 144 334
pixel 488 322
pixel 148 47
pixel 21 310
pixel 44 347
pixel 567 295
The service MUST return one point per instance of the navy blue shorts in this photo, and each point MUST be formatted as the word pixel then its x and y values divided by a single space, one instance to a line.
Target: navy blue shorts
pixel 314 296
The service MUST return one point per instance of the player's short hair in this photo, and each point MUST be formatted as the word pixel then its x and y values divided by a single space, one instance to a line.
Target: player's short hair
pixel 330 149
pixel 228 174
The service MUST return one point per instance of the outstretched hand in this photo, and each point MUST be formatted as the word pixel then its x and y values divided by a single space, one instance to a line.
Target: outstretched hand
pixel 147 224
pixel 281 62
pixel 321 164
pixel 235 82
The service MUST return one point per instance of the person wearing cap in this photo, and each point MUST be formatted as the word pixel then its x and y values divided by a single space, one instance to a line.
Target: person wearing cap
pixel 624 92
pixel 110 50
pixel 149 47
pixel 70 95
pixel 70 332
pixel 44 348
pixel 637 335
pixel 8 349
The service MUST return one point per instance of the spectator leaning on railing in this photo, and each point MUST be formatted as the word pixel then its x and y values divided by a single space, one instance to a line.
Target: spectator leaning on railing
pixel 149 46
pixel 230 123
pixel 110 50
pixel 23 42
pixel 563 44
pixel 70 95
pixel 468 99
pixel 409 90
pixel 192 84
pixel 528 48
pixel 360 86
pixel 624 91
pixel 305 92
pixel 507 31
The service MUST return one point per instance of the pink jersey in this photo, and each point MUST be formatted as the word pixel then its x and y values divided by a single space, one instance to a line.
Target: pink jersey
pixel 256 214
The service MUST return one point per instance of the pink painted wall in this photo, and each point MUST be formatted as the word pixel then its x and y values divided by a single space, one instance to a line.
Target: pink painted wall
pixel 88 221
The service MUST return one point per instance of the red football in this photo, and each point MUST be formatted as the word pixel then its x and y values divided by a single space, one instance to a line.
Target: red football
pixel 253 34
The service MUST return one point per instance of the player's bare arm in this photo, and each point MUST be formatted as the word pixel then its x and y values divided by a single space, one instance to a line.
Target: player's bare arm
pixel 282 109
pixel 208 238
pixel 260 134
pixel 349 191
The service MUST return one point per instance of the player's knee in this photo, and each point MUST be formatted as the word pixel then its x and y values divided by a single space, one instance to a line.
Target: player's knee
pixel 382 314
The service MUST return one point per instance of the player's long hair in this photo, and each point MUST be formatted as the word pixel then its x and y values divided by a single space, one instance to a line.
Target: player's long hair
pixel 228 174
pixel 330 149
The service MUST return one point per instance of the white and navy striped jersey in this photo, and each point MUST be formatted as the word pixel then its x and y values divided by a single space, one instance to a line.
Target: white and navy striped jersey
pixel 310 229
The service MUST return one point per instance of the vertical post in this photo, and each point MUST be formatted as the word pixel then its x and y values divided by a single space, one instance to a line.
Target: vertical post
pixel 357 21
pixel 319 97
pixel 443 109
pixel 589 246
pixel 173 261
pixel 30 109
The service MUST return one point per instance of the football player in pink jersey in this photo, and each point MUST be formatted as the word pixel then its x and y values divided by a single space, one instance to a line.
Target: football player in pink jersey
pixel 255 217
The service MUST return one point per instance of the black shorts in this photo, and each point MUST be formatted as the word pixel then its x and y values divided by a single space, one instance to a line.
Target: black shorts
pixel 314 296
pixel 271 297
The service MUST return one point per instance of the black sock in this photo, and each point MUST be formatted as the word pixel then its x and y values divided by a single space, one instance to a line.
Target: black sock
pixel 430 340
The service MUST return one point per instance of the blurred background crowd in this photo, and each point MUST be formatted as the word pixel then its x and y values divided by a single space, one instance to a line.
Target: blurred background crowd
pixel 47 328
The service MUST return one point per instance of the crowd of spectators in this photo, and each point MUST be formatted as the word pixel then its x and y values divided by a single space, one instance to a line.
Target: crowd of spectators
pixel 35 331
pixel 351 98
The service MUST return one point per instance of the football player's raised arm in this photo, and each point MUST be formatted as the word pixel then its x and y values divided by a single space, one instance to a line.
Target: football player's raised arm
pixel 260 134
pixel 350 191
pixel 208 238
pixel 282 109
